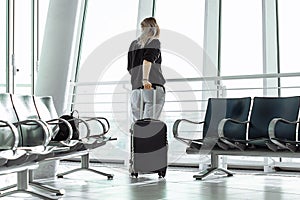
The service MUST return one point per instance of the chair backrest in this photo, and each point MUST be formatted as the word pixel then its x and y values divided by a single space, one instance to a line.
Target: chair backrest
pixel 298 130
pixel 32 135
pixel 45 107
pixel 220 108
pixel 7 114
pixel 264 109
pixel 46 110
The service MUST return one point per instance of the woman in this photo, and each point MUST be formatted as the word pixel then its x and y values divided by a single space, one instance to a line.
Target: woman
pixel 144 66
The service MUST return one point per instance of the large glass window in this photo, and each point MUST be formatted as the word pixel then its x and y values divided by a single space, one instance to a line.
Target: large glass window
pixel 241 44
pixel 43 12
pixel 289 42
pixel 109 29
pixel 182 35
pixel 23 46
pixel 289 31
pixel 182 22
pixel 106 20
pixel 23 43
pixel 3 46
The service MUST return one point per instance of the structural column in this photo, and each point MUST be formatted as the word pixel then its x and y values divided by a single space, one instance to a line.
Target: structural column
pixel 59 51
pixel 270 46
pixel 211 46
pixel 146 9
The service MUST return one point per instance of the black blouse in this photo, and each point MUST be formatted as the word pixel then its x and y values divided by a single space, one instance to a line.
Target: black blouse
pixel 136 55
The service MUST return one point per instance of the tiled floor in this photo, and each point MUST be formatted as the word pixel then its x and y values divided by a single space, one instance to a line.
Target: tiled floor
pixel 178 184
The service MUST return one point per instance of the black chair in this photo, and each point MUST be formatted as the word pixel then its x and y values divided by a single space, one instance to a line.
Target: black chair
pixel 12 124
pixel 46 109
pixel 217 109
pixel 9 136
pixel 46 112
pixel 31 135
pixel 282 131
pixel 265 109
pixel 19 161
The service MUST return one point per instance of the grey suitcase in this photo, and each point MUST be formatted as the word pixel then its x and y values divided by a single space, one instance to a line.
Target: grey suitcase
pixel 149 146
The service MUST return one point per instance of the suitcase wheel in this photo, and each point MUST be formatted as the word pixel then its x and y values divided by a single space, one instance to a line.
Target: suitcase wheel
pixel 134 174
pixel 161 174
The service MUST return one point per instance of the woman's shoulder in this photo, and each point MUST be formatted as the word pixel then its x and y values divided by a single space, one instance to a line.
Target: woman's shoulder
pixel 155 43
pixel 133 45
pixel 134 42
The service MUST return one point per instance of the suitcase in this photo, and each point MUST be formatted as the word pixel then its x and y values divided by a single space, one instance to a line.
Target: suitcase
pixel 149 146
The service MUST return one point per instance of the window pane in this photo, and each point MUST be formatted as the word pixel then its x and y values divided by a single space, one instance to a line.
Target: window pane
pixel 241 43
pixel 182 35
pixel 289 41
pixel 105 24
pixel 3 46
pixel 106 20
pixel 241 37
pixel 186 19
pixel 23 40
pixel 43 12
pixel 289 31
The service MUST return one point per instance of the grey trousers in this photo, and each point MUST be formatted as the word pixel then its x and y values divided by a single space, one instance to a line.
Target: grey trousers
pixel 147 104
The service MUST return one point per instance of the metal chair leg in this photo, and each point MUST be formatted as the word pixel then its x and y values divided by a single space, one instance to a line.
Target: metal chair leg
pixel 23 187
pixel 210 171
pixel 43 186
pixel 85 162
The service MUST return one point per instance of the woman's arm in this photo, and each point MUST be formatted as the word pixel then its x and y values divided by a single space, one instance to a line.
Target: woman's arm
pixel 146 72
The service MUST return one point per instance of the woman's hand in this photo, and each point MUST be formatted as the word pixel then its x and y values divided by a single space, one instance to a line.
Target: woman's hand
pixel 147 85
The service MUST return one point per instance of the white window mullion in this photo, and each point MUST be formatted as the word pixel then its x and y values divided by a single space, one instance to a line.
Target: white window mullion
pixel 270 50
pixel 10 46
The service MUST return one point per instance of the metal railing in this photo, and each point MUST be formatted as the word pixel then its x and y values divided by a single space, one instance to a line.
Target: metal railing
pixel 185 98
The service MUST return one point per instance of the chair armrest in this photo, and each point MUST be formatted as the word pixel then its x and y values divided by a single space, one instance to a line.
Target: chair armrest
pixel 88 133
pixel 83 122
pixel 14 132
pixel 273 123
pixel 70 130
pixel 98 119
pixel 175 130
pixel 224 121
pixel 42 124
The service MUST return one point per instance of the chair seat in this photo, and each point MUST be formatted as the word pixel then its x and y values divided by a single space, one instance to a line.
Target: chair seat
pixel 190 150
pixel 11 155
pixel 94 142
pixel 23 160
pixel 196 144
pixel 259 142
pixel 286 141
pixel 3 161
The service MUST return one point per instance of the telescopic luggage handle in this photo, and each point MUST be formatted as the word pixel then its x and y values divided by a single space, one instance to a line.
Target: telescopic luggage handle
pixel 142 103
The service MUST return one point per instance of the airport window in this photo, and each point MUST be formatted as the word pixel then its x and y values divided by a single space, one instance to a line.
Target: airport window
pixel 289 31
pixel 23 46
pixel 289 42
pixel 184 22
pixel 186 18
pixel 241 51
pixel 107 34
pixel 182 35
pixel 104 21
pixel 43 11
pixel 3 46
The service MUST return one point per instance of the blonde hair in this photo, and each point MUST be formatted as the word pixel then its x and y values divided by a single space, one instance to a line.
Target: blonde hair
pixel 150 31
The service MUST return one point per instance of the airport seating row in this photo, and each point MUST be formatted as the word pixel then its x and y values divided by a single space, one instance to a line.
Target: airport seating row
pixel 262 126
pixel 27 126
